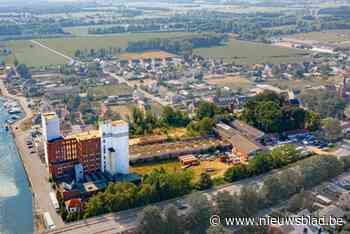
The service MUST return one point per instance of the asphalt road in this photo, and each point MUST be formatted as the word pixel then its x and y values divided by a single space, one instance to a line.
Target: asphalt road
pixel 126 220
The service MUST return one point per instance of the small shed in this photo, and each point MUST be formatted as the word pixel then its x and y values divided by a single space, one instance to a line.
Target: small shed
pixel 188 160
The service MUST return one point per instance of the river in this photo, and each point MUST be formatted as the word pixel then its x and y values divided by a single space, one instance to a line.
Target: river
pixel 15 196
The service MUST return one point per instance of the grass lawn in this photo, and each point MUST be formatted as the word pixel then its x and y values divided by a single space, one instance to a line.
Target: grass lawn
pixel 110 90
pixel 32 55
pixel 219 167
pixel 333 36
pixel 243 52
pixel 70 45
pixel 233 82
pixel 123 110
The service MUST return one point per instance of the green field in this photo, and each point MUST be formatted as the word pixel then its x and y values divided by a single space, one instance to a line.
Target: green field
pixel 32 55
pixel 333 36
pixel 70 45
pixel 110 90
pixel 243 52
pixel 36 56
pixel 83 30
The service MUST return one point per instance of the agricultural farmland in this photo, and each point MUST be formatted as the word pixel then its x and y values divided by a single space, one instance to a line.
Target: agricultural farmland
pixel 243 52
pixel 70 45
pixel 33 55
pixel 333 36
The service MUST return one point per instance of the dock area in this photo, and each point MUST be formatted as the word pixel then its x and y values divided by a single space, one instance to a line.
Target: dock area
pixel 36 171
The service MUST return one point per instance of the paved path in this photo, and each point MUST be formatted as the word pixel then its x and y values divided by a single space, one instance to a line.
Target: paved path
pixel 36 171
pixel 52 50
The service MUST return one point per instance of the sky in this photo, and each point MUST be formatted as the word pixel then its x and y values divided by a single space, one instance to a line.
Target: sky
pixel 33 1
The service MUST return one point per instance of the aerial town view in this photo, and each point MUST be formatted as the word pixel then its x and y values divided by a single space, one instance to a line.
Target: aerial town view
pixel 174 117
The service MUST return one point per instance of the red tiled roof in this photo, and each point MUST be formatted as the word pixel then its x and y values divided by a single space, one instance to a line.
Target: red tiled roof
pixel 76 202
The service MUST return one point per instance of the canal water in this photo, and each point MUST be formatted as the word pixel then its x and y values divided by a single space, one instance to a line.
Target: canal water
pixel 15 196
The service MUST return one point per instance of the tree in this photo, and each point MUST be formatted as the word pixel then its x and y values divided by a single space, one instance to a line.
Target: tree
pixel 236 172
pixel 283 155
pixel 169 184
pixel 271 190
pixel 205 126
pixel 207 109
pixel 23 71
pixel 142 123
pixel 270 112
pixel 300 201
pixel 346 163
pixel 269 116
pixel 228 205
pixel 332 129
pixel 95 206
pixel 151 221
pixel 259 164
pixel 205 182
pixel 270 96
pixel 326 103
pixel 254 229
pixel 174 118
pixel 217 230
pixel 313 121
pixel 249 200
pixel 173 222
pixel 318 169
pixel 121 196
pixel 199 214
pixel 294 118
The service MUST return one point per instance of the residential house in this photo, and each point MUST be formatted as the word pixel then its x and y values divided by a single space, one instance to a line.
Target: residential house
pixel 73 205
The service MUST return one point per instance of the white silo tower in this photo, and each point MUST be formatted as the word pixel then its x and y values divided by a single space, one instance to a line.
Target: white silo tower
pixel 115 147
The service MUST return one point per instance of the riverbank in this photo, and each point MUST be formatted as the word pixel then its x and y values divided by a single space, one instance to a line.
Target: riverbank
pixel 36 171
pixel 16 194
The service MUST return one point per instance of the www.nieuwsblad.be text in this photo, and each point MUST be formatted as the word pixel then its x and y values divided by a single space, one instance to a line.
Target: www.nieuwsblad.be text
pixel 216 220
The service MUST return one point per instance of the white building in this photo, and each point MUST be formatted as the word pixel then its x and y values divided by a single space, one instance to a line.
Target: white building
pixel 115 147
pixel 51 129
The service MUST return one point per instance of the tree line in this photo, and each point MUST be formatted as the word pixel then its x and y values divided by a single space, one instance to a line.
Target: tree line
pixel 102 53
pixel 157 186
pixel 177 45
pixel 160 185
pixel 248 202
pixel 264 162
pixel 29 29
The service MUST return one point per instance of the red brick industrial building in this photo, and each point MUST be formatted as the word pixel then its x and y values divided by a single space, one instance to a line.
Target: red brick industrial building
pixel 65 153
